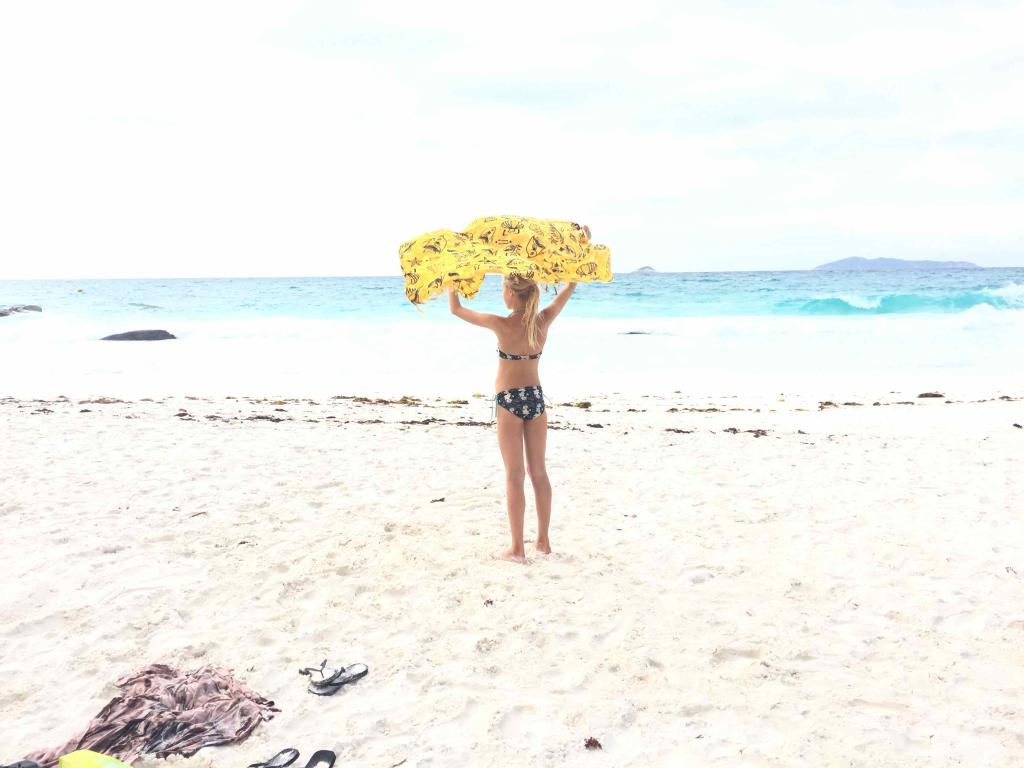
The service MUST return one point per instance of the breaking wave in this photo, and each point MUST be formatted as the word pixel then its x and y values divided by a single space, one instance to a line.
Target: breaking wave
pixel 1010 296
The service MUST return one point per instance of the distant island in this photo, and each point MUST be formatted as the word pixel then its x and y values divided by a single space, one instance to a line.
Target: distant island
pixel 860 263
pixel 644 269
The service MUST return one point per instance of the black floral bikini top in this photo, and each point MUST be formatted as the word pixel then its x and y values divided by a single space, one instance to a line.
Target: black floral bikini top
pixel 507 356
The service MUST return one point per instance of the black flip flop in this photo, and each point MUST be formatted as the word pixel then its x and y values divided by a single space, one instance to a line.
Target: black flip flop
pixel 22 764
pixel 321 757
pixel 335 682
pixel 282 759
pixel 326 678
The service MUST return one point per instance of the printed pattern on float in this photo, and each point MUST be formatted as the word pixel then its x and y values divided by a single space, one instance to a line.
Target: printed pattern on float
pixel 544 250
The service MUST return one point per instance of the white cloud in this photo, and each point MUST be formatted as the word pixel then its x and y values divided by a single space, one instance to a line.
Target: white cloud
pixel 265 139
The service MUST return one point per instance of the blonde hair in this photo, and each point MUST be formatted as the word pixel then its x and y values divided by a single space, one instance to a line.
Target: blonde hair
pixel 527 291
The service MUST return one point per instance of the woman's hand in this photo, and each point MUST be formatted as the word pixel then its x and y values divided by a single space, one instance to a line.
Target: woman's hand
pixel 476 318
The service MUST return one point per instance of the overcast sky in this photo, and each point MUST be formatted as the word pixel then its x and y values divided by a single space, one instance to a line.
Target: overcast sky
pixel 270 138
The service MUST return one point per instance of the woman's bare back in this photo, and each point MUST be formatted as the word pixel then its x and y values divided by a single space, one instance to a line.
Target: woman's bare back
pixel 511 333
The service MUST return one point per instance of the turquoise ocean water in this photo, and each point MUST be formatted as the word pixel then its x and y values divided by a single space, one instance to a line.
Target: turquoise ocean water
pixel 647 295
pixel 652 331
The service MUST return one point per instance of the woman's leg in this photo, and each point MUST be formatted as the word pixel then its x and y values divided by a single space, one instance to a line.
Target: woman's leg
pixel 535 436
pixel 510 442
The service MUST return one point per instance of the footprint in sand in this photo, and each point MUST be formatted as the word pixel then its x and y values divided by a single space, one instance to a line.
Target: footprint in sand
pixel 698 574
pixel 516 724
pixel 722 655
pixel 891 706
pixel 694 709
pixel 487 644
pixel 472 720
pixel 264 640
pixel 964 622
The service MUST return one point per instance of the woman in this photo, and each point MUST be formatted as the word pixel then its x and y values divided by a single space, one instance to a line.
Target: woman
pixel 522 422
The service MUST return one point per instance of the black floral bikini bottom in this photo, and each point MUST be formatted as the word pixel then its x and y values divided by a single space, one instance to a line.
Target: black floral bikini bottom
pixel 525 402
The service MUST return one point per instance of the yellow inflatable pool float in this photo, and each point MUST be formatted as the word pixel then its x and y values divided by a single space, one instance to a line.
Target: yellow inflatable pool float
pixel 86 758
pixel 545 250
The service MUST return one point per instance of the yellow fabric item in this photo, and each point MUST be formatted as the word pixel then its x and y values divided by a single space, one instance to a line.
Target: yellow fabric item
pixel 540 249
pixel 86 758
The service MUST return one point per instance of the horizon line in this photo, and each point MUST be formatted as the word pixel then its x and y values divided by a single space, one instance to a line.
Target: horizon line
pixel 399 276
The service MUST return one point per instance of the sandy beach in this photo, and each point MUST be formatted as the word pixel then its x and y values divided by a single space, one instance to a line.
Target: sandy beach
pixel 266 268
pixel 735 582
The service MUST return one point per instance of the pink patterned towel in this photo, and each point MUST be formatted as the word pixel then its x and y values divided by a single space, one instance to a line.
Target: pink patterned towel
pixel 162 711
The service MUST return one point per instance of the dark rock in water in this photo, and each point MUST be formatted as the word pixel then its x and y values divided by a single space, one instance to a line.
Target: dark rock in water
pixel 636 333
pixel 931 394
pixel 140 336
pixel 5 311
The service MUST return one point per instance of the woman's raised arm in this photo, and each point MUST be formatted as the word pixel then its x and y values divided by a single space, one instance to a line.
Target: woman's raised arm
pixel 550 312
pixel 476 318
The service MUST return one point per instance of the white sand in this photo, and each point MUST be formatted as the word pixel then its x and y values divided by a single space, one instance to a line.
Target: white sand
pixel 849 596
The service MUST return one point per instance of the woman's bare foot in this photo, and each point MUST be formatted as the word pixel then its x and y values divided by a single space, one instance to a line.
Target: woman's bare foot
pixel 544 547
pixel 511 555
